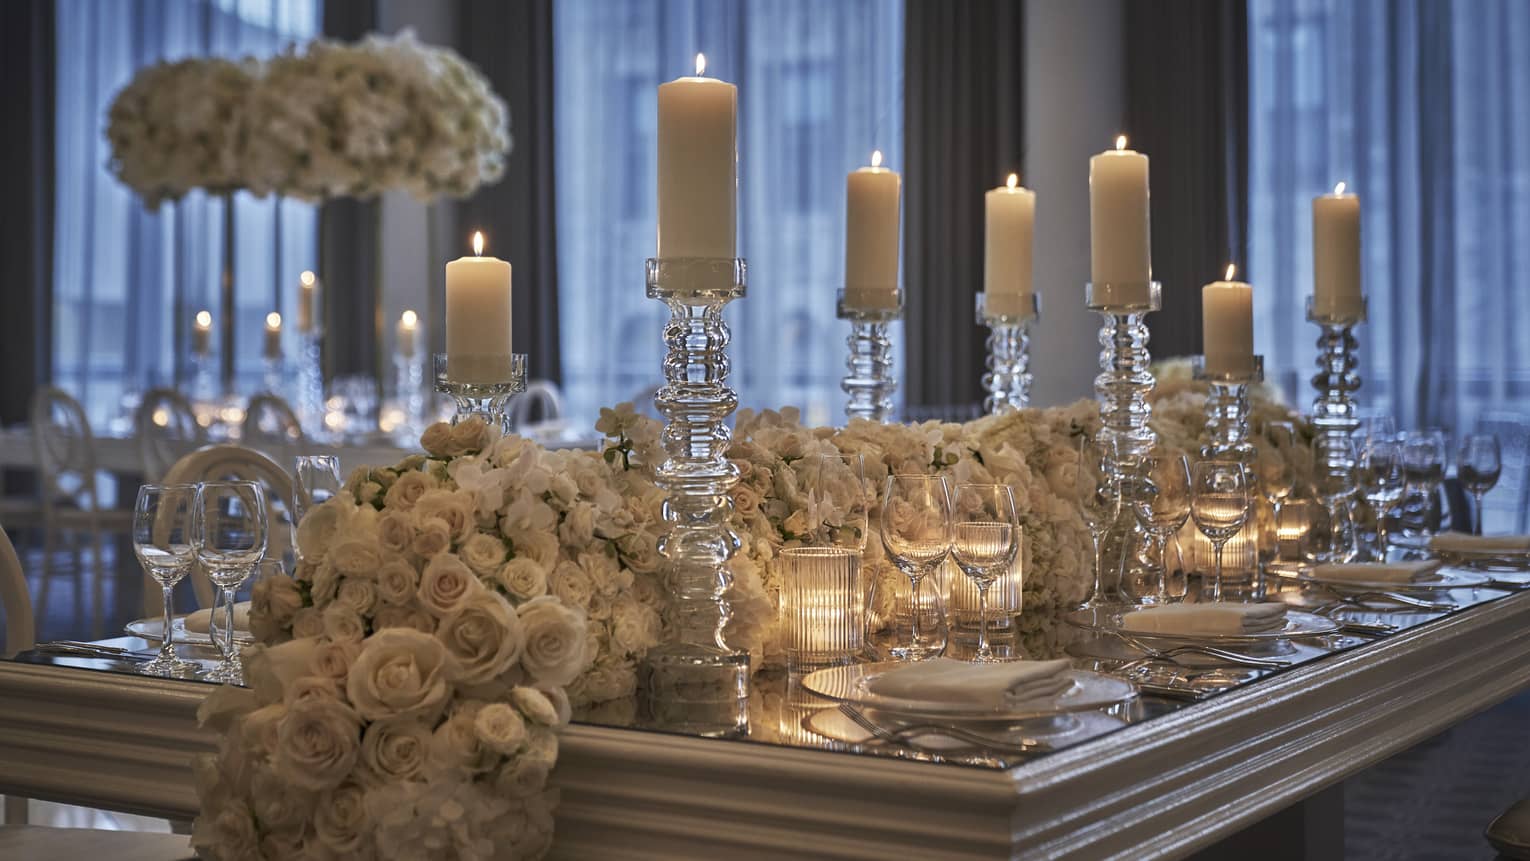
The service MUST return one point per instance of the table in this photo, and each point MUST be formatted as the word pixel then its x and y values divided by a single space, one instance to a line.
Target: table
pixel 1181 778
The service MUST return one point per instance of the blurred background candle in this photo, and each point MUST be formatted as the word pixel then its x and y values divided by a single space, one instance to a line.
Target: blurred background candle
pixel 308 302
pixel 1336 255
pixel 478 317
pixel 1009 221
pixel 408 334
pixel 273 336
pixel 201 334
pixel 1227 326
pixel 873 196
pixel 1120 246
pixel 698 167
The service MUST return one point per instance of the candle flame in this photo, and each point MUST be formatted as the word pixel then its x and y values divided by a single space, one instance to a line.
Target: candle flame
pixel 409 319
pixel 1120 142
pixel 1231 269
pixel 1014 180
pixel 876 158
pixel 273 320
pixel 204 319
pixel 701 64
pixel 307 279
pixel 478 243
pixel 1338 189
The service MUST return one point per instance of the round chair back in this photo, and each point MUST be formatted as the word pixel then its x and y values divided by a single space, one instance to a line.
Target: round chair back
pixel 236 462
pixel 541 399
pixel 270 419
pixel 64 448
pixel 167 428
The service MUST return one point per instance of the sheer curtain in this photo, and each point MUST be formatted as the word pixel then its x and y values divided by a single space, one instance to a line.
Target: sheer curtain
pixel 1420 107
pixel 820 87
pixel 128 281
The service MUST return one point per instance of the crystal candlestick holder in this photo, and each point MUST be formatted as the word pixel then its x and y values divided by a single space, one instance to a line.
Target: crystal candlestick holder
pixel 1008 378
pixel 868 380
pixel 204 378
pixel 1227 409
pixel 695 681
pixel 481 385
pixel 310 382
pixel 1335 412
pixel 409 385
pixel 273 376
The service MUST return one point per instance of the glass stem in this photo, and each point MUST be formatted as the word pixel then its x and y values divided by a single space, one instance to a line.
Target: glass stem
pixel 1216 584
pixel 1381 533
pixel 983 650
pixel 1099 571
pixel 1477 495
pixel 913 608
pixel 1161 550
pixel 228 623
pixel 167 643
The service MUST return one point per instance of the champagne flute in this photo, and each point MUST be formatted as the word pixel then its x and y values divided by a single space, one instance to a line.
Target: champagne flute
pixel 1478 465
pixel 229 532
pixel 1219 502
pixel 1383 482
pixel 162 542
pixel 1099 504
pixel 316 478
pixel 985 538
pixel 916 533
pixel 1164 506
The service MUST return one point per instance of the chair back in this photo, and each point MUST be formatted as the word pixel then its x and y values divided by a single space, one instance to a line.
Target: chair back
pixel 167 428
pixel 541 399
pixel 235 462
pixel 1512 494
pixel 64 448
pixel 270 419
pixel 15 600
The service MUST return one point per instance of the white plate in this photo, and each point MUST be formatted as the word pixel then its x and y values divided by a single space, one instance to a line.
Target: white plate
pixel 849 683
pixel 1044 736
pixel 1443 578
pixel 153 629
pixel 1108 619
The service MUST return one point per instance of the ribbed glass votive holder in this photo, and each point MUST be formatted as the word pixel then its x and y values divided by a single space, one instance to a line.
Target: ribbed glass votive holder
pixel 823 606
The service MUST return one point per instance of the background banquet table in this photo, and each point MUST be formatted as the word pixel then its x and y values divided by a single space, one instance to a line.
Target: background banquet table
pixel 120 454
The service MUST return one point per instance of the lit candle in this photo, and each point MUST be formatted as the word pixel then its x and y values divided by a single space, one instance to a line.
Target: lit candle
pixel 201 334
pixel 698 167
pixel 873 196
pixel 408 334
pixel 478 317
pixel 1120 247
pixel 1227 326
pixel 1010 217
pixel 1336 255
pixel 308 302
pixel 273 336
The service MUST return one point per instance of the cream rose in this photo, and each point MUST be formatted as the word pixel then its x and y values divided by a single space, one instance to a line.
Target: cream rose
pixel 320 525
pixel 317 744
pixel 559 699
pixel 342 623
pixel 534 705
pixel 357 595
pixel 556 650
pixel 340 820
pixel 273 603
pixel 500 728
pixel 432 537
pixel 445 585
pixel 541 546
pixel 634 627
pixel 437 439
pixel 395 530
pixel 453 508
pixel 332 659
pixel 484 635
pixel 412 616
pixel 258 730
pixel 355 557
pixel 455 743
pixel 394 750
pixel 310 688
pixel 572 585
pixel 483 553
pixel 326 580
pixel 408 489
pixel 400 673
pixel 228 832
pixel 468 437
pixel 522 777
pixel 396 582
pixel 277 805
pixel 523 577
pixel 578 526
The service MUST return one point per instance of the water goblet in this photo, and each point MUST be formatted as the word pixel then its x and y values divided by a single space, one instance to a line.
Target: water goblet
pixel 1164 506
pixel 1099 503
pixel 316 478
pixel 985 539
pixel 162 542
pixel 1382 481
pixel 1424 455
pixel 1276 464
pixel 916 533
pixel 229 534
pixel 1219 503
pixel 1478 465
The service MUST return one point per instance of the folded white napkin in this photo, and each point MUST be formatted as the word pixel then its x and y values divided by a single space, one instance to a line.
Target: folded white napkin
pixel 1209 618
pixel 1377 572
pixel 1001 685
pixel 1460 542
pixel 200 621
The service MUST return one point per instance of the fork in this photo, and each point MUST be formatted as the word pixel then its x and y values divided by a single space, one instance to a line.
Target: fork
pixel 1394 597
pixel 1150 654
pixel 907 733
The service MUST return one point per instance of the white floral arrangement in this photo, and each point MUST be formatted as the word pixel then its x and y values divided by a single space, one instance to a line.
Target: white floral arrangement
pixel 331 120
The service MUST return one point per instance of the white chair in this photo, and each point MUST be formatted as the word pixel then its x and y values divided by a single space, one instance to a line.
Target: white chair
pixel 543 394
pixel 269 420
pixel 15 601
pixel 167 426
pixel 233 462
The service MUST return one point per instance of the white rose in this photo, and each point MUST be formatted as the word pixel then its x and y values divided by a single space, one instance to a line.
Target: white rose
pixel 555 640
pixel 500 728
pixel 523 577
pixel 226 703
pixel 542 745
pixel 578 526
pixel 571 584
pixel 396 582
pixel 326 581
pixel 437 439
pixel 640 552
pixel 455 743
pixel 445 585
pixel 541 546
pixel 484 554
pixel 258 730
pixel 395 529
pixel 634 627
pixel 342 623
pixel 228 832
pixel 270 669
pixel 559 699
pixel 432 537
pixel 412 616
pixel 400 673
pixel 277 804
pixel 452 507
pixel 408 489
pixel 316 744
pixel 394 750
pixel 484 636
pixel 535 705
pixel 340 820
pixel 358 596
pixel 311 688
pixel 468 436
pixel 332 659
pixel 273 603
pixel 521 777
pixel 319 526
pixel 354 557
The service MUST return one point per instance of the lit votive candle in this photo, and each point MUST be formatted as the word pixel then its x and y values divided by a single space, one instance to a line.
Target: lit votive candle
pixel 273 336
pixel 408 334
pixel 308 302
pixel 201 334
pixel 823 605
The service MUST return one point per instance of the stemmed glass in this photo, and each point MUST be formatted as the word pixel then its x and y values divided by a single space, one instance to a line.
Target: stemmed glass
pixel 916 533
pixel 1099 503
pixel 1478 465
pixel 1382 481
pixel 228 532
pixel 1164 506
pixel 1277 471
pixel 1424 457
pixel 985 538
pixel 162 517
pixel 1219 502
pixel 316 478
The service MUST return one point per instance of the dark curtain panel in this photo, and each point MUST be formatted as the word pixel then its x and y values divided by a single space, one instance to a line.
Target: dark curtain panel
pixel 348 242
pixel 963 134
pixel 512 44
pixel 1187 108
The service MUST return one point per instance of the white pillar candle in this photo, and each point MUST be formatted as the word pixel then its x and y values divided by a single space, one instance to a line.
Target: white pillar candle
pixel 1227 326
pixel 408 334
pixel 478 317
pixel 1120 245
pixel 873 196
pixel 698 167
pixel 308 302
pixel 273 336
pixel 1009 221
pixel 1336 255
pixel 201 334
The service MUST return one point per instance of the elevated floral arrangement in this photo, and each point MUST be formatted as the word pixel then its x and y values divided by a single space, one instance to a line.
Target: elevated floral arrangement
pixel 450 610
pixel 330 120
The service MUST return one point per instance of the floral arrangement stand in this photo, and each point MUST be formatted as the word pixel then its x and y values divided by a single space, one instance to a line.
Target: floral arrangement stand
pixel 484 397
pixel 1008 378
pixel 868 379
pixel 695 680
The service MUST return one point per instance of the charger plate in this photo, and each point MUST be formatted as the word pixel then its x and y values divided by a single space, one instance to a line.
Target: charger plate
pixel 850 683
pixel 1108 620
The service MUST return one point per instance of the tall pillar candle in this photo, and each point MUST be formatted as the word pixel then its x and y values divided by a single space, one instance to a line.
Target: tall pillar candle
pixel 1120 244
pixel 698 167
pixel 1336 255
pixel 273 336
pixel 478 317
pixel 873 196
pixel 1227 327
pixel 408 334
pixel 308 302
pixel 1009 222
pixel 201 334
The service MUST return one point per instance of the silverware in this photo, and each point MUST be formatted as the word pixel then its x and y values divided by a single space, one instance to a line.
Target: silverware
pixel 1352 626
pixel 1150 654
pixel 907 733
pixel 1394 597
pixel 66 648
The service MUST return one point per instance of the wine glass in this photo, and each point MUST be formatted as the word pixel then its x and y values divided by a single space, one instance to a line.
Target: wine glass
pixel 162 541
pixel 1382 481
pixel 1376 427
pixel 1099 503
pixel 228 532
pixel 1164 505
pixel 985 538
pixel 1219 502
pixel 1424 455
pixel 1333 479
pixel 316 478
pixel 916 533
pixel 1276 464
pixel 1478 465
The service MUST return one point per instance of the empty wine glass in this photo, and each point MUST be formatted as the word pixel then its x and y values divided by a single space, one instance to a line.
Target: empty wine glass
pixel 1376 427
pixel 1478 465
pixel 1099 503
pixel 1424 456
pixel 1219 502
pixel 985 538
pixel 1382 481
pixel 916 533
pixel 316 478
pixel 1164 506
pixel 162 517
pixel 228 529
pixel 1276 464
pixel 1334 481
